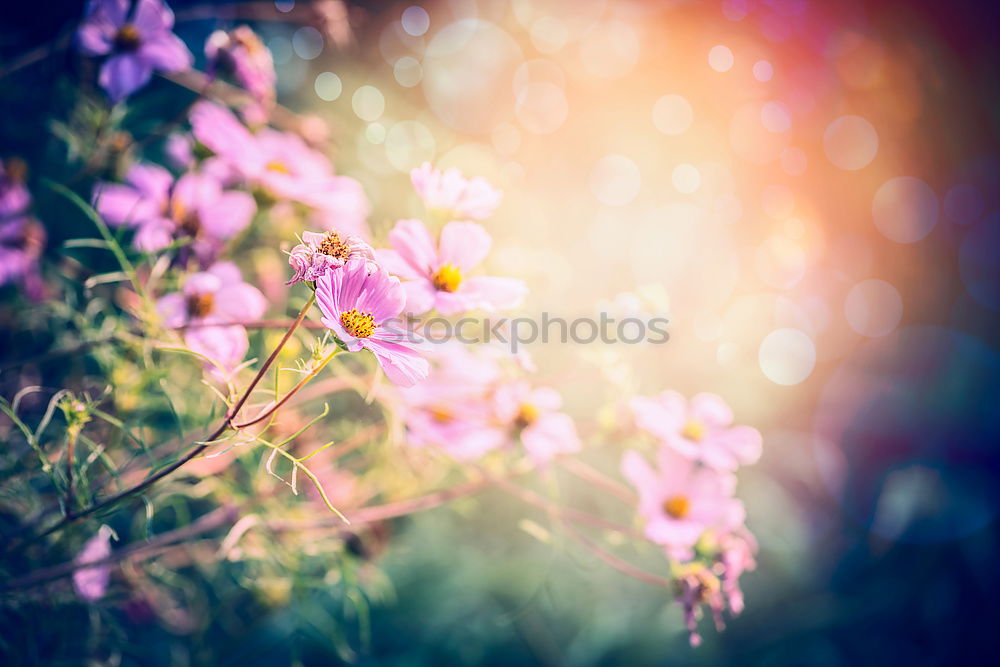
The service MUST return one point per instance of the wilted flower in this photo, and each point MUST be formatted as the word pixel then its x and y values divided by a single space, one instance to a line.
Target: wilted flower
pixel 697 585
pixel 436 274
pixel 208 306
pixel 241 53
pixel 534 417
pixel 196 206
pixel 356 302
pixel 319 253
pixel 90 583
pixel 454 194
pixel 680 500
pixel 283 167
pixel 700 429
pixel 137 44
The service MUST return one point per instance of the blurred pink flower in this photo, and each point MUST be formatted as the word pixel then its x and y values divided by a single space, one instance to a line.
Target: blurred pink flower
pixel 452 409
pixel 214 301
pixel 436 273
pixel 241 53
pixel 320 253
pixel 533 414
pixel 736 554
pixel 697 585
pixel 680 499
pixel 700 429
pixel 284 167
pixel 90 583
pixel 22 238
pixel 357 302
pixel 137 44
pixel 160 210
pixel 451 192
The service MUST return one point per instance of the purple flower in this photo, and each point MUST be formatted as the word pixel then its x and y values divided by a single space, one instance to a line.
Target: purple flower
pixel 452 193
pixel 680 500
pixel 136 45
pixel 701 429
pixel 320 253
pixel 210 305
pixel 284 168
pixel 90 583
pixel 357 302
pixel 241 53
pixel 436 273
pixel 160 210
pixel 22 238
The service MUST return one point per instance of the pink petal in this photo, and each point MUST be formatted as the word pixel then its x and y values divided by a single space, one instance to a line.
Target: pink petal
pixel 123 74
pixel 226 272
pixel 710 410
pixel 401 364
pixel 394 263
pixel 228 215
pixel 463 244
pixel 492 293
pixel 550 436
pixel 154 235
pixel 415 246
pixel 420 296
pixel 226 345
pixel 239 302
pixel 152 17
pixel 167 53
pixel 122 205
pixel 173 309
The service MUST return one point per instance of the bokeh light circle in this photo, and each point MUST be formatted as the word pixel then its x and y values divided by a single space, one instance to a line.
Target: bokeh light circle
pixel 787 356
pixel 610 49
pixel 328 86
pixel 873 308
pixel 415 20
pixel 541 107
pixel 686 178
pixel 408 144
pixel 763 71
pixel 407 71
pixel 615 180
pixel 720 58
pixel 368 103
pixel 850 143
pixel 672 114
pixel 905 209
pixel 307 42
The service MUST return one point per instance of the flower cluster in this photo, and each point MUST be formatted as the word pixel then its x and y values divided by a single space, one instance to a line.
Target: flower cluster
pixel 687 500
pixel 22 238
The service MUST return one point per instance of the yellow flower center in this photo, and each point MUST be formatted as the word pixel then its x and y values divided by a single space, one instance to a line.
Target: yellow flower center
pixel 280 167
pixel 694 430
pixel 441 414
pixel 359 325
pixel 333 246
pixel 447 278
pixel 128 38
pixel 527 414
pixel 200 305
pixel 677 507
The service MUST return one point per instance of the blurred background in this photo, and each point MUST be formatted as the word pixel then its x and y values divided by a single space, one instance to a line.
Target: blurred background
pixel 808 190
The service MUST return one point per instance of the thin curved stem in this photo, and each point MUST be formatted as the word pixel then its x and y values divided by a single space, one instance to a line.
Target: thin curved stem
pixel 226 424
pixel 294 390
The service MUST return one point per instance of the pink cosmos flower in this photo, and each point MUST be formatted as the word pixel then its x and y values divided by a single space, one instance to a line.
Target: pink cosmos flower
pixel 533 414
pixel 196 206
pixel 137 44
pixel 90 583
pixel 22 238
pixel 241 53
pixel 282 166
pixel 451 192
pixel 680 499
pixel 320 253
pixel 700 429
pixel 436 274
pixel 452 409
pixel 214 302
pixel 358 305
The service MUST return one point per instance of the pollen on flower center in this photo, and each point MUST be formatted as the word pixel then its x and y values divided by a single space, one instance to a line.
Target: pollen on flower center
pixel 280 167
pixel 201 304
pixel 527 414
pixel 359 325
pixel 694 430
pixel 447 278
pixel 128 38
pixel 334 246
pixel 677 507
